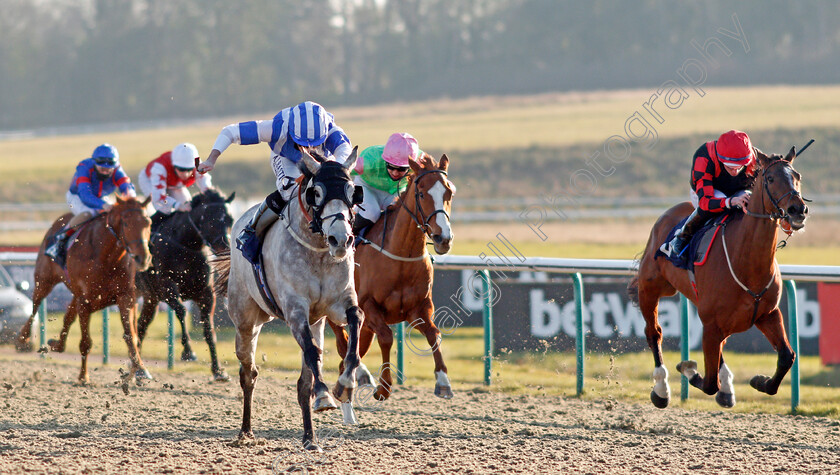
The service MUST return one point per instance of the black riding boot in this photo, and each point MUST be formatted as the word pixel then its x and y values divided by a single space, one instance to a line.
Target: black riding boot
pixel 248 240
pixel 57 251
pixel 360 224
pixel 694 222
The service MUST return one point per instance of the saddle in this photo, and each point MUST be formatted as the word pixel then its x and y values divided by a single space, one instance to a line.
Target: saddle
pixel 697 250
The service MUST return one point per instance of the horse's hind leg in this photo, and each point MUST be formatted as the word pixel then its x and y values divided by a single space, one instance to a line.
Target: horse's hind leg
pixel 421 318
pixel 42 289
pixel 772 327
pixel 648 298
pixel 147 314
pixel 180 310
pixel 207 305
pixel 69 317
pixel 246 348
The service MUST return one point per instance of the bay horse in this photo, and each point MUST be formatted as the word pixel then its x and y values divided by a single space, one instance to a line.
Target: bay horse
pixel 100 268
pixel 307 257
pixel 180 270
pixel 739 285
pixel 394 274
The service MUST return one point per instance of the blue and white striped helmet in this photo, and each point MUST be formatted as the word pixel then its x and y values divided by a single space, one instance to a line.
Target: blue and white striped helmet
pixel 308 124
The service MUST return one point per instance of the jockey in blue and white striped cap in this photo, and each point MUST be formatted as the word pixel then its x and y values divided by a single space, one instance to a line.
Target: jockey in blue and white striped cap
pixel 304 125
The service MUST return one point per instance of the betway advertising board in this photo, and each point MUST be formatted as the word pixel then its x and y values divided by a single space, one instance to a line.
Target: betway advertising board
pixel 536 311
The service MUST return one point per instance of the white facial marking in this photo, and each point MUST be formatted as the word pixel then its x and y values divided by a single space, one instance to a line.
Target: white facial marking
pixel 660 378
pixel 436 192
pixel 442 379
pixel 726 380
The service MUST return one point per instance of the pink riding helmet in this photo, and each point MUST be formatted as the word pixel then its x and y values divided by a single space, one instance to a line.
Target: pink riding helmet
pixel 399 149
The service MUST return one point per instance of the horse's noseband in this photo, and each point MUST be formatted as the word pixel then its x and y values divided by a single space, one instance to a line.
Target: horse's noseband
pixel 779 213
pixel 220 239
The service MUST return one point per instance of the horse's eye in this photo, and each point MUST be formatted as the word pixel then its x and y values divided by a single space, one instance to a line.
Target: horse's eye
pixel 770 179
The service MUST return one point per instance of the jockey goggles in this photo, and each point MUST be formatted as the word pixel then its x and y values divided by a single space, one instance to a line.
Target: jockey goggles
pixel 396 169
pixel 181 169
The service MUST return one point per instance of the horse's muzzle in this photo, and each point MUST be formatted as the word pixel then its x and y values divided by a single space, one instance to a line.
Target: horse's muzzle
pixel 797 216
pixel 143 261
pixel 442 246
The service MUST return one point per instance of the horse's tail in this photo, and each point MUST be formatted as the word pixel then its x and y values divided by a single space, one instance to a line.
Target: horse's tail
pixel 221 265
pixel 633 286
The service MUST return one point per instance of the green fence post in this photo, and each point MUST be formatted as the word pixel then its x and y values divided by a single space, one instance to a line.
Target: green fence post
pixel 105 350
pixel 793 324
pixel 685 311
pixel 170 339
pixel 488 325
pixel 42 327
pixel 401 352
pixel 580 337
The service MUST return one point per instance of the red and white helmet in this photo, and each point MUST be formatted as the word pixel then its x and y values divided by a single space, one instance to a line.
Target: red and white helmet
pixel 734 149
pixel 399 149
pixel 184 156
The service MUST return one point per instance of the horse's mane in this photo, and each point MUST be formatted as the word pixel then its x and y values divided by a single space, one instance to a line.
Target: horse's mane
pixel 211 195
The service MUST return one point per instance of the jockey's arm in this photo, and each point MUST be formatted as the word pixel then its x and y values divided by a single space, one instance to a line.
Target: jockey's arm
pixel 243 133
pixel 338 144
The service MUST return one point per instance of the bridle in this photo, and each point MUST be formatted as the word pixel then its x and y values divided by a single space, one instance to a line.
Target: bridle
pixel 423 221
pixel 779 213
pixel 329 186
pixel 121 234
pixel 218 240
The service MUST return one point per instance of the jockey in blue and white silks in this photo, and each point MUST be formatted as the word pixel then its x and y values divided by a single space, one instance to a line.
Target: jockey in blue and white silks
pixel 304 125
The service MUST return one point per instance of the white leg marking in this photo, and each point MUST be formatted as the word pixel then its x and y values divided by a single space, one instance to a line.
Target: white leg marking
pixel 726 380
pixel 442 379
pixel 348 414
pixel 362 370
pixel 660 380
pixel 437 191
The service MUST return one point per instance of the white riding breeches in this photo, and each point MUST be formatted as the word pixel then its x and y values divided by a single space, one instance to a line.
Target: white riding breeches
pixel 374 202
pixel 78 207
pixel 695 200
pixel 164 201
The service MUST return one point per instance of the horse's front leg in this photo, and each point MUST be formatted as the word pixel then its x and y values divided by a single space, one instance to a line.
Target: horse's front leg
pixel 311 381
pixel 85 342
pixel 712 346
pixel 127 316
pixel 773 328
pixel 173 299
pixel 347 379
pixel 420 317
pixel 69 317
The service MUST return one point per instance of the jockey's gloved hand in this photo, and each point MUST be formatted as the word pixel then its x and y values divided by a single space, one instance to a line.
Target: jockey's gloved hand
pixel 185 206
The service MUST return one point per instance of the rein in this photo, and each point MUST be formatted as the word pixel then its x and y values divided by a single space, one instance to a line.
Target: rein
pixel 779 214
pixel 195 227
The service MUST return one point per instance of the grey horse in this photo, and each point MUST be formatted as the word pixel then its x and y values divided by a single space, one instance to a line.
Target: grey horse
pixel 310 274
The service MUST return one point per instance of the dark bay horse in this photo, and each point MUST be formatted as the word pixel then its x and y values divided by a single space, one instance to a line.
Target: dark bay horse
pixel 180 270
pixel 394 272
pixel 101 265
pixel 739 285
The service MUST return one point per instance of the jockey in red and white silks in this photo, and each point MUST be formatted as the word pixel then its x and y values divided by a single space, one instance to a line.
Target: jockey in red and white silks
pixel 167 179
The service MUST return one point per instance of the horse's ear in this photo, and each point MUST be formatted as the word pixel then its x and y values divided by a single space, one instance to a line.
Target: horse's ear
pixel 311 164
pixel 761 157
pixel 351 160
pixel 790 155
pixel 146 201
pixel 415 166
pixel 119 200
pixel 444 162
pixel 230 198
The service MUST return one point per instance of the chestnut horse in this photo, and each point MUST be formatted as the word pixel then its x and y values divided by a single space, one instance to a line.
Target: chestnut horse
pixel 739 285
pixel 101 263
pixel 394 272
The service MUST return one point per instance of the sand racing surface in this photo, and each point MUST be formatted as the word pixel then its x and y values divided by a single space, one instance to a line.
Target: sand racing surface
pixel 181 423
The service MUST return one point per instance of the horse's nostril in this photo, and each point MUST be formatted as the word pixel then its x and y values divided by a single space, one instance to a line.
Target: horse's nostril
pixel 332 240
pixel 437 238
pixel 349 239
pixel 805 210
pixel 792 210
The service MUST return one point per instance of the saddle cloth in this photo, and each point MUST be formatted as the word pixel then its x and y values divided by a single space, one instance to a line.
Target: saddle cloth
pixel 697 250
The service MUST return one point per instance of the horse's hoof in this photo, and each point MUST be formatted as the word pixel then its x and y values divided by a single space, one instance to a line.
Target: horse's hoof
pixel 342 393
pixel 324 402
pixel 363 377
pixel 381 393
pixel 56 346
pixel 142 374
pixel 348 414
pixel 221 376
pixel 759 383
pixel 726 400
pixel 309 445
pixel 688 365
pixel 660 402
pixel 444 392
pixel 189 356
pixel 23 346
pixel 245 439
